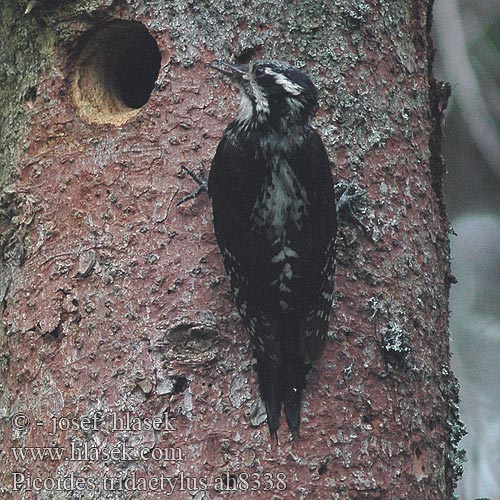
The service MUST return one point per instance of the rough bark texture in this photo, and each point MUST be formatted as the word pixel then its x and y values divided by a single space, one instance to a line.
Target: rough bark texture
pixel 115 303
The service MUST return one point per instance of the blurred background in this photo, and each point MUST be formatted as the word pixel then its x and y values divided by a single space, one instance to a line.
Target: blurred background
pixel 467 39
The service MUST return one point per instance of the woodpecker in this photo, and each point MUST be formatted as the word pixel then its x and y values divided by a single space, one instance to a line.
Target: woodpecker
pixel 275 221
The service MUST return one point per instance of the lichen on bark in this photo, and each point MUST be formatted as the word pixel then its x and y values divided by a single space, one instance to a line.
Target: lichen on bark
pixel 25 53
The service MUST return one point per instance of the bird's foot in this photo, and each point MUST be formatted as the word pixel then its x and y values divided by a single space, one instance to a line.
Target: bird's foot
pixel 348 199
pixel 200 178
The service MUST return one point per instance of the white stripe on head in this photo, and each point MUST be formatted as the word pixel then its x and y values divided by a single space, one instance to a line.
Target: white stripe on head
pixel 246 108
pixel 281 79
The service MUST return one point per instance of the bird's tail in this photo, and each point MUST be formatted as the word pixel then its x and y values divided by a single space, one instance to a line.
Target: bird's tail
pixel 282 383
pixel 294 382
pixel 269 384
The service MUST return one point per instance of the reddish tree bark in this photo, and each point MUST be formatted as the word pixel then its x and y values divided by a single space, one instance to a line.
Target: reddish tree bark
pixel 115 303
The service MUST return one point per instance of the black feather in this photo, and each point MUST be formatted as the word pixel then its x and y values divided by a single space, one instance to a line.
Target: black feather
pixel 274 217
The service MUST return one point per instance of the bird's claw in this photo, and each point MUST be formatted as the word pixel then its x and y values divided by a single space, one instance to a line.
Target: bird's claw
pixel 200 178
pixel 350 195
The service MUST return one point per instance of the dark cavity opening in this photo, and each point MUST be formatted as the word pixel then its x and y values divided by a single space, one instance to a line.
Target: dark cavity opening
pixel 115 72
pixel 180 384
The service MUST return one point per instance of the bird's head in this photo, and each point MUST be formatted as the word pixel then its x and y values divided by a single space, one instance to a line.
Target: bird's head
pixel 272 92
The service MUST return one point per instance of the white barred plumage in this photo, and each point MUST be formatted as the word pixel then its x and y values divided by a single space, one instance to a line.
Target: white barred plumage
pixel 275 221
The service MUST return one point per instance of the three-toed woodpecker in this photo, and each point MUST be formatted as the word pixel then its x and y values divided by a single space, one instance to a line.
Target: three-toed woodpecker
pixel 274 218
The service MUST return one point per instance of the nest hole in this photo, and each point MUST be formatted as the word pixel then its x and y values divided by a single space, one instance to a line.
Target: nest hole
pixel 115 72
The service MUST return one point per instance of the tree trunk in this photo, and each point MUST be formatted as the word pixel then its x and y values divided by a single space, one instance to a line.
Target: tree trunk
pixel 114 301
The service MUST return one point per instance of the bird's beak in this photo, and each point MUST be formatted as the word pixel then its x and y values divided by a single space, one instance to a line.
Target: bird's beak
pixel 236 72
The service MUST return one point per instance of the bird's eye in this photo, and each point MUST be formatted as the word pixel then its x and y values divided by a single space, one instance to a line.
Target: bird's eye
pixel 259 71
